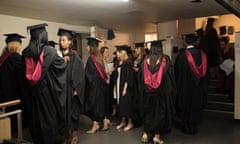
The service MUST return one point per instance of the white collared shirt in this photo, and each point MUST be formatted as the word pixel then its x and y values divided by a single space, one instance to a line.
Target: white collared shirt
pixel 190 46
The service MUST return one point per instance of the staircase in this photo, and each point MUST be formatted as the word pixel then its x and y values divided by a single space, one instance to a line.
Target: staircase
pixel 217 104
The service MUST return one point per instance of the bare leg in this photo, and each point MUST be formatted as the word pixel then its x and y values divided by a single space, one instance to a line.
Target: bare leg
pixel 129 125
pixel 122 124
pixel 94 128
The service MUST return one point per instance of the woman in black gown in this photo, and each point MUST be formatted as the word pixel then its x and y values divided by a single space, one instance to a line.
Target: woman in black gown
pixel 44 88
pixel 156 92
pixel 75 82
pixel 10 68
pixel 124 88
pixel 96 86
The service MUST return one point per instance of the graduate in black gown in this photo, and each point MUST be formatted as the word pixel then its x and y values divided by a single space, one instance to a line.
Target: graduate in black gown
pixel 10 76
pixel 191 78
pixel 124 89
pixel 96 86
pixel 45 87
pixel 109 68
pixel 75 82
pixel 211 46
pixel 157 92
pixel 139 57
pixel 10 68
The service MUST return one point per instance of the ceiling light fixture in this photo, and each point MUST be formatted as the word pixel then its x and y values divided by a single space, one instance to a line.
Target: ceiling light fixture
pixel 125 0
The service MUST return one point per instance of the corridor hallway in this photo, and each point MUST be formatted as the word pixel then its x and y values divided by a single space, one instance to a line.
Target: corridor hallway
pixel 213 129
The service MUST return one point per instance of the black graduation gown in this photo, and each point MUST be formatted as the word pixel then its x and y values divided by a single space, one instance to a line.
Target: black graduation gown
pixel 10 85
pixel 47 100
pixel 10 71
pixel 75 82
pixel 136 113
pixel 158 107
pixel 96 91
pixel 125 106
pixel 211 46
pixel 192 92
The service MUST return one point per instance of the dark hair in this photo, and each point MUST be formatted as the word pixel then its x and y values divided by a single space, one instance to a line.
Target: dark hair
pixel 39 38
pixel 103 49
pixel 224 39
pixel 155 53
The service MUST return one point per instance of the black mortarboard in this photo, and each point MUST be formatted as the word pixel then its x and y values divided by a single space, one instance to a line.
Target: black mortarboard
pixel 13 37
pixel 211 20
pixel 122 47
pixel 52 43
pixel 157 43
pixel 36 27
pixel 190 38
pixel 93 41
pixel 139 45
pixel 65 32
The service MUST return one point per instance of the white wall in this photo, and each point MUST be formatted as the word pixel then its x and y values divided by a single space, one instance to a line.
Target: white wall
pixel 12 24
pixel 167 29
pixel 186 26
pixel 237 77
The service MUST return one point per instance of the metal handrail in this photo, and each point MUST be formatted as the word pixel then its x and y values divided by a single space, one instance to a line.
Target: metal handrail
pixel 18 112
pixel 10 103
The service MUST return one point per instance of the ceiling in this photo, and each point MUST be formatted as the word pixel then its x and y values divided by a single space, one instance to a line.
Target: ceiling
pixel 131 16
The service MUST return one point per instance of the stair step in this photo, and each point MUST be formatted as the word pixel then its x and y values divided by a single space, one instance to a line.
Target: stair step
pixel 217 97
pixel 220 106
pixel 218 113
pixel 212 82
pixel 212 89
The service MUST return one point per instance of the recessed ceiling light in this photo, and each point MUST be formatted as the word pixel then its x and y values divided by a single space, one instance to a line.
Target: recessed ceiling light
pixel 125 0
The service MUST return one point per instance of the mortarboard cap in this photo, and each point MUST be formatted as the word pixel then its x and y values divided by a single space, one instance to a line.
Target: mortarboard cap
pixel 13 37
pixel 157 43
pixel 65 32
pixel 93 41
pixel 36 27
pixel 139 45
pixel 52 43
pixel 190 38
pixel 122 47
pixel 211 20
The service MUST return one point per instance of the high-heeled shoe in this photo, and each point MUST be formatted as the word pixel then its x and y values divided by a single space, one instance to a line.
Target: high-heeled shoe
pixel 94 129
pixel 157 141
pixel 128 128
pixel 120 126
pixel 144 138
pixel 106 125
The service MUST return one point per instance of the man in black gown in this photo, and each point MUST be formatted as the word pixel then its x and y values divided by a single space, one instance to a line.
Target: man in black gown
pixel 191 78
